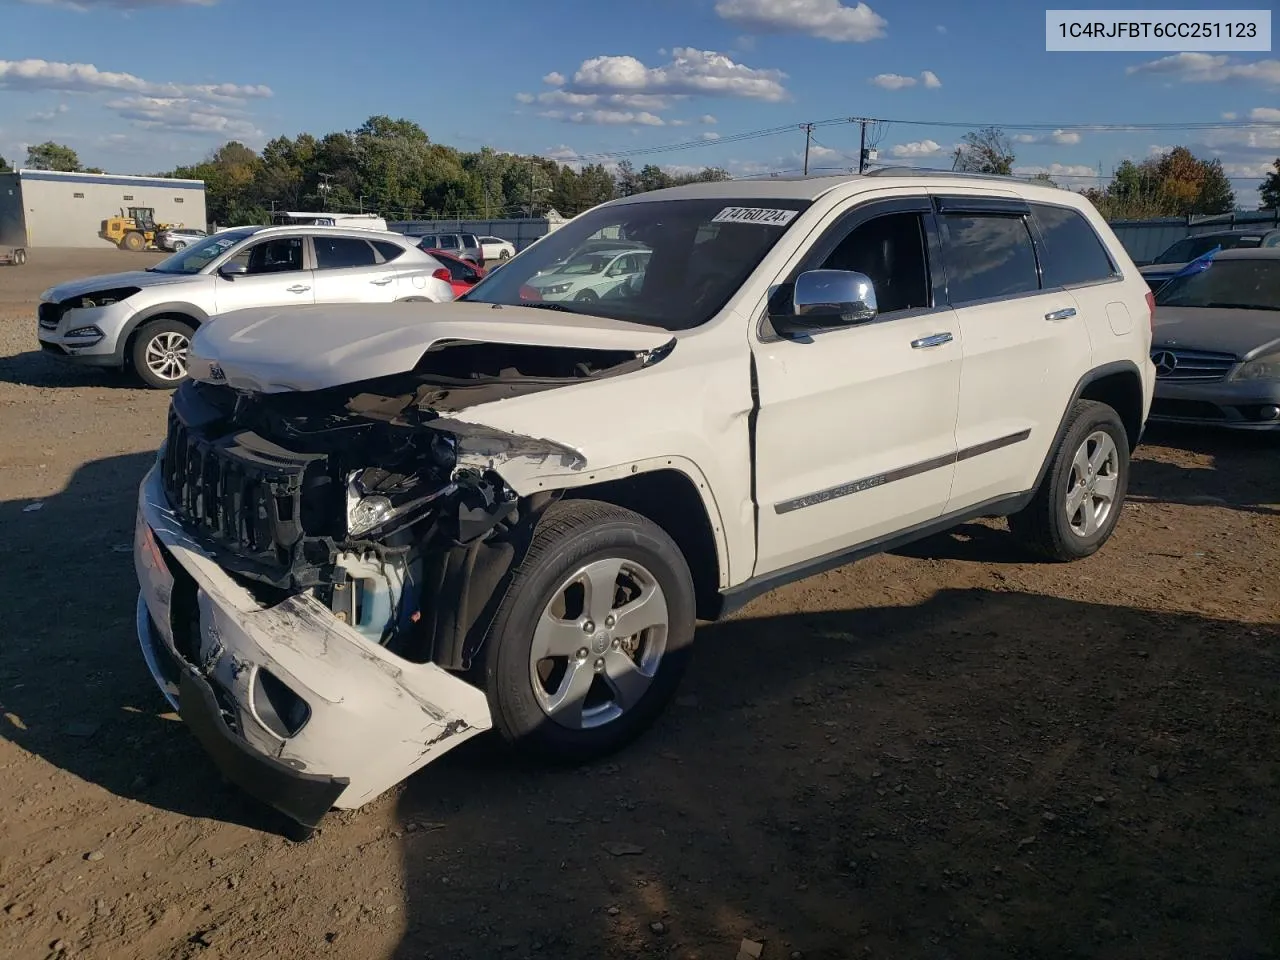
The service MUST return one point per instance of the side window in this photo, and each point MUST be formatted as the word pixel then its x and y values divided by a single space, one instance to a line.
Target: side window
pixel 278 255
pixel 988 255
pixel 1273 240
pixel 389 251
pixel 1073 253
pixel 891 251
pixel 333 253
pixel 448 241
pixel 469 241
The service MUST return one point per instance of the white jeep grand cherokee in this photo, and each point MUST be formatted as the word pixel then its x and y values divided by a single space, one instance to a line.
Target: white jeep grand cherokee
pixel 143 320
pixel 372 535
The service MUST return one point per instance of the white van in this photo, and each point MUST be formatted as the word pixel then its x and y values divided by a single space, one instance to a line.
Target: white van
pixel 366 221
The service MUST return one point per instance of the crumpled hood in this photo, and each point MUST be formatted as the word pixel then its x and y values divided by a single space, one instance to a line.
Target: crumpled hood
pixel 281 349
pixel 113 281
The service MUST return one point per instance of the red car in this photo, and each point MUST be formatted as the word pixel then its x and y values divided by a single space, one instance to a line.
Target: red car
pixel 462 275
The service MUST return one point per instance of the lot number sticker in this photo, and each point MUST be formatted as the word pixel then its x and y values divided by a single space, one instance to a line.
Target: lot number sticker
pixel 774 218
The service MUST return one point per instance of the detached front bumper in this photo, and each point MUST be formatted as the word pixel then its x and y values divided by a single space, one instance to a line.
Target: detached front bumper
pixel 293 706
pixel 92 336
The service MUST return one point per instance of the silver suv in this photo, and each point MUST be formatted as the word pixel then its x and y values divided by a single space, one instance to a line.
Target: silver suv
pixel 464 245
pixel 144 319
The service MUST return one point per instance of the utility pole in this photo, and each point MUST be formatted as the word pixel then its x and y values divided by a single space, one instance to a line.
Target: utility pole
pixel 324 188
pixel 362 203
pixel 808 139
pixel 862 147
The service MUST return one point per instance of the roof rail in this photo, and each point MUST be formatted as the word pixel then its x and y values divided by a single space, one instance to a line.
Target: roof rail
pixel 933 172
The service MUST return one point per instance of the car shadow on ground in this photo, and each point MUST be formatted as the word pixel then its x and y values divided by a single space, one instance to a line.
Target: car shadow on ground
pixel 73 686
pixel 1233 481
pixel 983 774
pixel 35 368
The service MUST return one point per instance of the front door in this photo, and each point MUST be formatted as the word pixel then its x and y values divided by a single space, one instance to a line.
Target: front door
pixel 855 435
pixel 1025 344
pixel 275 277
pixel 349 270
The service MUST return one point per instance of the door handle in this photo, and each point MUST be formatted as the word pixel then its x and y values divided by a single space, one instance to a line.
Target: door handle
pixel 297 288
pixel 1062 314
pixel 381 283
pixel 936 340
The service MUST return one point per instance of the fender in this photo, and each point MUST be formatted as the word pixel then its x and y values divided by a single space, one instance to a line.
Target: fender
pixel 178 307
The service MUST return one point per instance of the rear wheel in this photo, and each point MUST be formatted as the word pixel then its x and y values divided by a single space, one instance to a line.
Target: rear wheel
pixel 504 255
pixel 179 245
pixel 159 353
pixel 593 635
pixel 19 257
pixel 134 242
pixel 1077 506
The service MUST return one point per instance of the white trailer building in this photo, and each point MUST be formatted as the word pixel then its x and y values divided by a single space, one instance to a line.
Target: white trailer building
pixel 46 208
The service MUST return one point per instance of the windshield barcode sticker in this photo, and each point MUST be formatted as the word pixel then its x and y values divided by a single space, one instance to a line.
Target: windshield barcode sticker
pixel 775 218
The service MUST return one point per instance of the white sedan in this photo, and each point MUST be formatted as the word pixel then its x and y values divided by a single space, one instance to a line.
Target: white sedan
pixel 495 248
pixel 590 276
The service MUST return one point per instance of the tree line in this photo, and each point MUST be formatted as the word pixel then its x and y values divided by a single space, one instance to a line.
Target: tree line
pixel 391 167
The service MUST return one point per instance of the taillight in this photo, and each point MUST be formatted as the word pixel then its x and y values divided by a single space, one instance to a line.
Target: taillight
pixel 442 274
pixel 1151 309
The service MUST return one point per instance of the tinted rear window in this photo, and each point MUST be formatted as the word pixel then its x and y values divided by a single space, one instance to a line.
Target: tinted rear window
pixel 388 250
pixel 1073 252
pixel 988 256
pixel 336 252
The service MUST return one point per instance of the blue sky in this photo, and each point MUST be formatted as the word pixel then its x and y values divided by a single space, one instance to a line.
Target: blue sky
pixel 142 85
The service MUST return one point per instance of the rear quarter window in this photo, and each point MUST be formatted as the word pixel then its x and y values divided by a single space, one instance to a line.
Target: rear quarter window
pixel 388 250
pixel 1073 251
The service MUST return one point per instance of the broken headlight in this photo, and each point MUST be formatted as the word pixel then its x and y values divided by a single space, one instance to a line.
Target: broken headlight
pixel 103 298
pixel 377 498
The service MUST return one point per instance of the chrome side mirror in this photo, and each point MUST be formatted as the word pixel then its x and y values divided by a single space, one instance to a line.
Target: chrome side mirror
pixel 827 298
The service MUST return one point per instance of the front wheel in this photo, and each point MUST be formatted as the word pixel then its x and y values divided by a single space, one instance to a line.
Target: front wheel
pixel 586 296
pixel 504 255
pixel 593 635
pixel 1077 506
pixel 159 353
pixel 179 245
pixel 19 257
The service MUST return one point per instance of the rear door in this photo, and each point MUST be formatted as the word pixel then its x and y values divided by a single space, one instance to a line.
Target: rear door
pixel 278 274
pixel 350 270
pixel 1025 346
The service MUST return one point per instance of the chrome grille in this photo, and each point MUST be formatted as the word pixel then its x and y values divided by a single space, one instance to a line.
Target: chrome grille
pixel 1191 366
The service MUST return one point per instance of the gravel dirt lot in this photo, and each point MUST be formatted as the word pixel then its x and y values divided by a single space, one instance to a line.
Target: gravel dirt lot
pixel 949 752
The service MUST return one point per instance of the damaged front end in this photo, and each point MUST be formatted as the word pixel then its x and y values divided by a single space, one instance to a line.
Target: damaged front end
pixel 318 568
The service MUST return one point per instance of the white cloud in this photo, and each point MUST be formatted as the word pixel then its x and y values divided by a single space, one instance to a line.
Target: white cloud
pixel 1062 138
pixel 1265 114
pixel 708 119
pixel 1073 170
pixel 824 19
pixel 86 78
pixel 689 72
pixel 554 79
pixel 893 81
pixel 916 148
pixel 1228 116
pixel 561 153
pixel 710 135
pixel 940 28
pixel 184 115
pixel 1210 68
pixel 45 116
pixel 611 118
pixel 897 81
pixel 85 5
pixel 1248 170
pixel 567 98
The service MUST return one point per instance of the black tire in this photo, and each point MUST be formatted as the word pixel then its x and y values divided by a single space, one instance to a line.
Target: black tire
pixel 179 245
pixel 144 337
pixel 19 257
pixel 134 242
pixel 1043 525
pixel 504 254
pixel 586 296
pixel 571 534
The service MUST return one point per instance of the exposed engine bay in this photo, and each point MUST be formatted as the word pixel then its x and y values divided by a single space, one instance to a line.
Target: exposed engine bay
pixel 370 496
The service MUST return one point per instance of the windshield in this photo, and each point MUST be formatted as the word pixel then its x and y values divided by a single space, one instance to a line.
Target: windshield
pixel 196 257
pixel 1239 284
pixel 683 260
pixel 1186 250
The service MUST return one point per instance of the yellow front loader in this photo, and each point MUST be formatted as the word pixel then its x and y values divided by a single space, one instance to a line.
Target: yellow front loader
pixel 134 229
